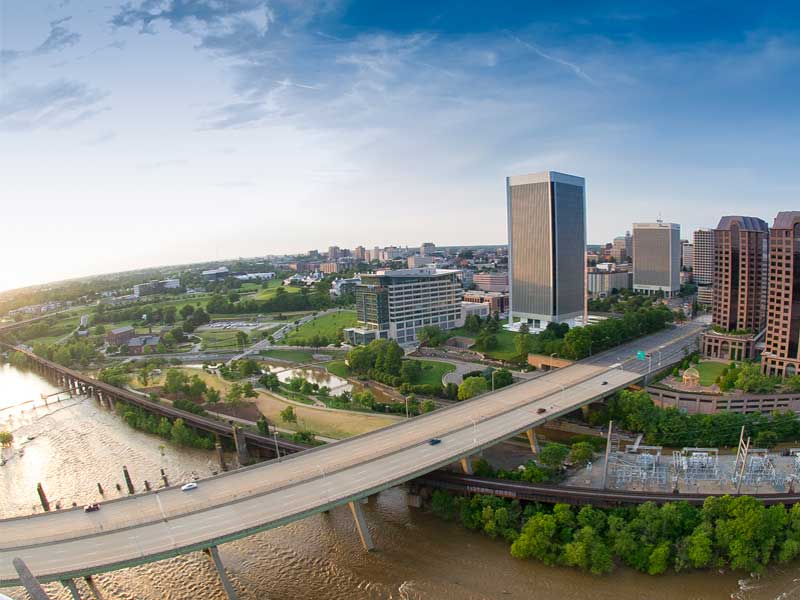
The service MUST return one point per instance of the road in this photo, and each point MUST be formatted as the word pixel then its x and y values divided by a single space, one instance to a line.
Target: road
pixel 168 522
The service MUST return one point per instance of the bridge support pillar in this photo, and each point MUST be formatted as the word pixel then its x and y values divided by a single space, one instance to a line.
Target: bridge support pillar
pixel 213 554
pixel 93 586
pixel 28 581
pixel 466 466
pixel 533 441
pixel 241 445
pixel 361 526
pixel 73 589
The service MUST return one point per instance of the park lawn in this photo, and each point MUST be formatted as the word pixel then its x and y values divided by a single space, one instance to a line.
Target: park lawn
pixel 338 368
pixel 433 371
pixel 219 340
pixel 300 356
pixel 328 423
pixel 271 290
pixel 327 326
pixel 505 349
pixel 709 371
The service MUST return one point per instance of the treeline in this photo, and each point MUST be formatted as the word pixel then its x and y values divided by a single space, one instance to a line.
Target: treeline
pixel 75 352
pixel 280 302
pixel 177 431
pixel 634 411
pixel 739 533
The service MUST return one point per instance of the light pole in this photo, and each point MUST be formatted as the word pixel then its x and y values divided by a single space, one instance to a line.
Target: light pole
pixel 406 399
pixel 493 374
pixel 277 450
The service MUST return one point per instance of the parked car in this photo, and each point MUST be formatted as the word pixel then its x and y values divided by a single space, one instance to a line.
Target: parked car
pixel 94 506
pixel 541 411
pixel 189 486
pixel 604 383
pixel 434 441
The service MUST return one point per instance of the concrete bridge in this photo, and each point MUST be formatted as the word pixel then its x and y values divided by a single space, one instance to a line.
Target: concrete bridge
pixel 59 546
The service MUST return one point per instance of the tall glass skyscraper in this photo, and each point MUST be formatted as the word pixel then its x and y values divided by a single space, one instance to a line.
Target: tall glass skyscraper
pixel 547 247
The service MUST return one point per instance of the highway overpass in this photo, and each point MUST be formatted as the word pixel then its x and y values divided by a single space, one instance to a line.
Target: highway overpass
pixel 138 529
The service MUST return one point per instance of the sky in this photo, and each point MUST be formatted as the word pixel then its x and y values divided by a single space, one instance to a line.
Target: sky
pixel 154 132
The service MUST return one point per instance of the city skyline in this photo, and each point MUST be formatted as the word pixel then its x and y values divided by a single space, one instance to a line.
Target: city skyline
pixel 261 120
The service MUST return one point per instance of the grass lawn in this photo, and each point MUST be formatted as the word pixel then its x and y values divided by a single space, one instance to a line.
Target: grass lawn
pixel 505 349
pixel 338 368
pixel 219 340
pixel 272 287
pixel 301 356
pixel 327 326
pixel 709 371
pixel 433 371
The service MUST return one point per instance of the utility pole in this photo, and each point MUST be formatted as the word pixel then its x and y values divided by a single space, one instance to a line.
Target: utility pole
pixel 608 453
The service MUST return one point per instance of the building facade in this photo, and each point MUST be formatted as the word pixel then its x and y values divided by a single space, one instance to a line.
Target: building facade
pixel 330 267
pixel 703 265
pixel 622 248
pixel 498 301
pixel 601 282
pixel 397 304
pixel 687 255
pixel 657 258
pixel 740 288
pixel 547 247
pixel 360 253
pixel 427 249
pixel 491 282
pixel 781 353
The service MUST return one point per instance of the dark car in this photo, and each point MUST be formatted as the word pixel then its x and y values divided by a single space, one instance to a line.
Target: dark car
pixel 604 383
pixel 434 441
pixel 541 411
pixel 91 507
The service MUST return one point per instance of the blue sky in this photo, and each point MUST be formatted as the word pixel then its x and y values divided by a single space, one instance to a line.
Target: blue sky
pixel 153 132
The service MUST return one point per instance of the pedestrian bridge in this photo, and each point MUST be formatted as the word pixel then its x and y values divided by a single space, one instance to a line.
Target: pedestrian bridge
pixel 157 525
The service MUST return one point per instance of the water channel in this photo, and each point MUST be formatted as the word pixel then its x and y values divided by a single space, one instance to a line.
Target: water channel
pixel 75 443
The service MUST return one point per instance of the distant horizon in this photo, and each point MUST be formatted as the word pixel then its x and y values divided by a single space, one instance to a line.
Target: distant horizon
pixel 137 133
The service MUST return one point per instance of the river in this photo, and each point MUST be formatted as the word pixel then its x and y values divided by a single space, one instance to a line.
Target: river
pixel 77 444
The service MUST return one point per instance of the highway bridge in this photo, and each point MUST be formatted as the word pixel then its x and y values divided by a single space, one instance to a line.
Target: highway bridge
pixel 137 529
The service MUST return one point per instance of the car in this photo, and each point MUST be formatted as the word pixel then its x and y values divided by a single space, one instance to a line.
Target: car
pixel 604 383
pixel 541 411
pixel 189 486
pixel 434 441
pixel 94 506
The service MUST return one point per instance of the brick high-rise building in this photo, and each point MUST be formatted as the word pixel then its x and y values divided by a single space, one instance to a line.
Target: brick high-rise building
pixel 780 357
pixel 740 283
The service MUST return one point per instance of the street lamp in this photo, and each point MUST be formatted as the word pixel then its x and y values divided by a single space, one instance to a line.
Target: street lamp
pixel 277 449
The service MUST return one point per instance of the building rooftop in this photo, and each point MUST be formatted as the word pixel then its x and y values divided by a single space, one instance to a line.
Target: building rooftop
pixel 421 272
pixel 122 329
pixel 745 223
pixel 786 220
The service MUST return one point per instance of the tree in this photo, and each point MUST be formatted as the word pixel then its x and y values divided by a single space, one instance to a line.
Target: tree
pixel 581 453
pixel 428 406
pixel 6 438
pixel 538 540
pixel 195 388
pixel 175 381
pixel 522 344
pixel 486 340
pixel 144 376
pixel 472 323
pixel 502 378
pixel 471 387
pixel 234 395
pixel 288 415
pixel 411 371
pixel 270 381
pixel 553 455
pixel 432 336
pixel 187 310
pixel 212 395
pixel 248 391
pixel 241 339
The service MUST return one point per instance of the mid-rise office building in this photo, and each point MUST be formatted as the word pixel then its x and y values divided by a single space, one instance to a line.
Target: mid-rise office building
pixel 397 304
pixel 547 247
pixel 604 282
pixel 703 265
pixel 622 248
pixel 334 252
pixel 360 253
pixel 687 255
pixel 657 258
pixel 497 301
pixel 740 285
pixel 781 354
pixel 491 282
pixel 427 249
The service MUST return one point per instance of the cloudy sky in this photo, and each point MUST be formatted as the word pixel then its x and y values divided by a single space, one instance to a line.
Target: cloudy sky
pixel 153 132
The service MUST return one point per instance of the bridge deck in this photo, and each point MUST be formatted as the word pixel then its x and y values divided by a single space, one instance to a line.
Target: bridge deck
pixel 168 522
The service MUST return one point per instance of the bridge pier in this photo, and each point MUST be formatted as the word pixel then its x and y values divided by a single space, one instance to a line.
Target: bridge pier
pixel 29 582
pixel 73 589
pixel 93 586
pixel 213 554
pixel 533 440
pixel 241 445
pixel 361 526
pixel 466 466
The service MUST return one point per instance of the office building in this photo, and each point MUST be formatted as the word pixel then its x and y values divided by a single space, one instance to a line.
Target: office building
pixel 687 255
pixel 397 304
pixel 740 285
pixel 360 253
pixel 334 252
pixel 491 282
pixel 780 356
pixel 622 248
pixel 427 249
pixel 547 247
pixel 498 301
pixel 703 265
pixel 604 282
pixel 657 258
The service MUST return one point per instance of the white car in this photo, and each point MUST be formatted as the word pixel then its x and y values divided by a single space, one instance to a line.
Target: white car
pixel 189 486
